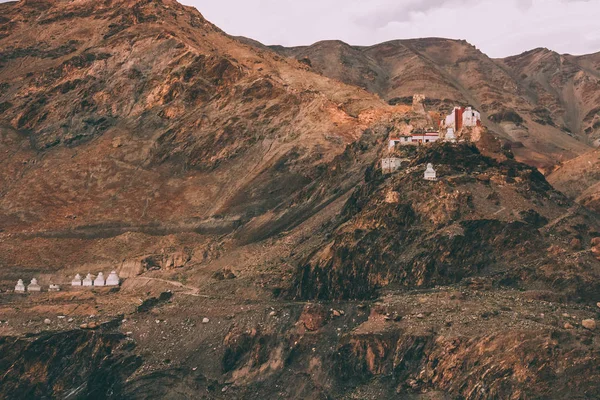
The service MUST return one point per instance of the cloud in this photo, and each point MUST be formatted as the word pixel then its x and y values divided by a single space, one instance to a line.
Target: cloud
pixel 400 11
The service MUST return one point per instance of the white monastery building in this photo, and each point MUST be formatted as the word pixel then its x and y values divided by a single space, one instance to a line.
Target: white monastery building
pixel 460 117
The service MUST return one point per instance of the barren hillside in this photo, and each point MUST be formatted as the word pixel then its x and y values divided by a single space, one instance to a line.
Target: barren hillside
pixel 262 252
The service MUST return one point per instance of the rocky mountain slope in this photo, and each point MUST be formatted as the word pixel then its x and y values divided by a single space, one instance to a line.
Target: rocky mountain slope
pixel 579 179
pixel 541 99
pixel 263 253
pixel 498 221
pixel 153 114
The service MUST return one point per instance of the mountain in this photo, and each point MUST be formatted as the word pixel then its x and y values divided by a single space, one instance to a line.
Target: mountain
pixel 166 116
pixel 542 100
pixel 238 194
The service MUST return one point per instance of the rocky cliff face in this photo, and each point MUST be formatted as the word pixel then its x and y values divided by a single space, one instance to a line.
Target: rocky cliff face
pixel 263 253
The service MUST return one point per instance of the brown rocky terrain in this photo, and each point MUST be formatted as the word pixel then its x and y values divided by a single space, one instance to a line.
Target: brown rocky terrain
pixel 263 253
pixel 501 221
pixel 579 179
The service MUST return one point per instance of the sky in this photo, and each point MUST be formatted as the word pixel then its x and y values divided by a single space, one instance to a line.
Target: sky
pixel 499 28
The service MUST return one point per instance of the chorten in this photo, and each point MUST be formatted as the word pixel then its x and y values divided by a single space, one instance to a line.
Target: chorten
pixel 33 286
pixel 20 287
pixel 89 280
pixel 100 280
pixel 430 174
pixel 113 279
pixel 76 281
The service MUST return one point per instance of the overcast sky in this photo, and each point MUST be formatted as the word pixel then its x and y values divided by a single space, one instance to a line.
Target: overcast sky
pixel 497 27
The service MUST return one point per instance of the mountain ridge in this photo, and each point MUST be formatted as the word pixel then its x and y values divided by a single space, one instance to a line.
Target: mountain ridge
pixel 442 78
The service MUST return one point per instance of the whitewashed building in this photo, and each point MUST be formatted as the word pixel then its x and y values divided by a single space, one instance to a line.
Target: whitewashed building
pixel 460 117
pixel 471 117
pixel 425 137
pixel 401 140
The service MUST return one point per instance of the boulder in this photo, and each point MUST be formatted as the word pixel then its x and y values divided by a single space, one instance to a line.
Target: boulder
pixel 589 324
pixel 313 317
pixel 575 244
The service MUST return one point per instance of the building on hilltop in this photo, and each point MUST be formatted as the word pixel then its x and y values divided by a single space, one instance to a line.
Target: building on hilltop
pixel 462 117
pixel 400 140
pixel 428 136
pixel 417 137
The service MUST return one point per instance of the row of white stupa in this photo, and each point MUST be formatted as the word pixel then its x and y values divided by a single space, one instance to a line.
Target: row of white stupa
pixel 33 287
pixel 112 280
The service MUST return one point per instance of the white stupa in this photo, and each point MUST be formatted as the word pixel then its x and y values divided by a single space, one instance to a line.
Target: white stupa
pixel 76 281
pixel 430 174
pixel 20 287
pixel 450 136
pixel 113 279
pixel 99 281
pixel 54 288
pixel 89 280
pixel 33 286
